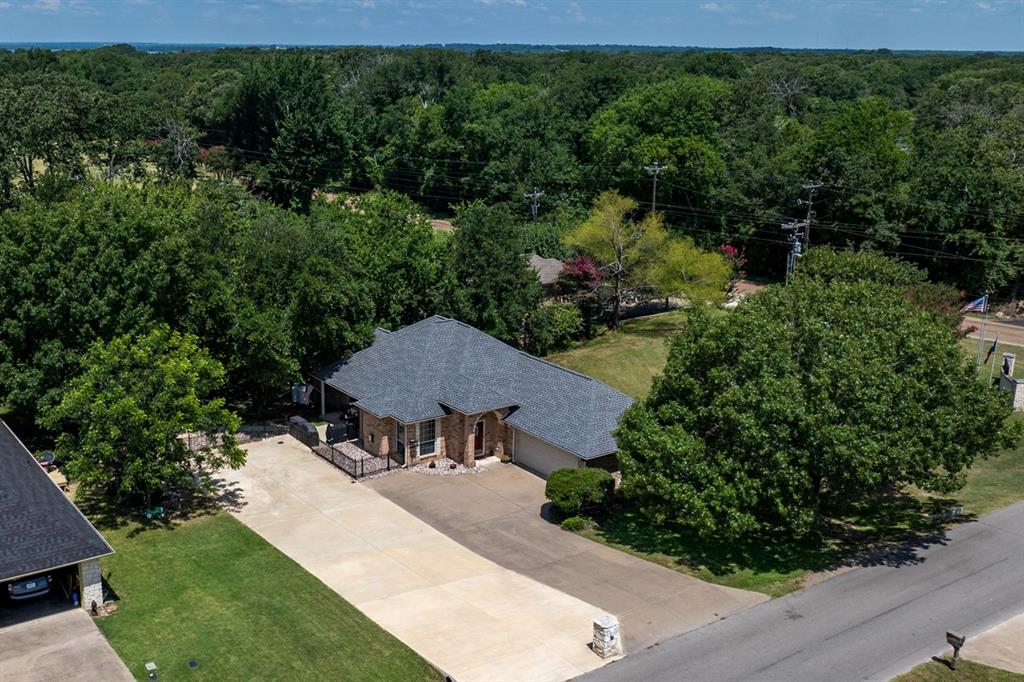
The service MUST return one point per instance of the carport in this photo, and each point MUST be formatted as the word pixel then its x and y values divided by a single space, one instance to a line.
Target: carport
pixel 42 532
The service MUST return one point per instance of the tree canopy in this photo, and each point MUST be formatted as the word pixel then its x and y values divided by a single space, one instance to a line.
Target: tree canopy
pixel 805 400
pixel 130 412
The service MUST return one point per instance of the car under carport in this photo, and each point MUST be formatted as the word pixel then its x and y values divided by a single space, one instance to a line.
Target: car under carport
pixel 42 532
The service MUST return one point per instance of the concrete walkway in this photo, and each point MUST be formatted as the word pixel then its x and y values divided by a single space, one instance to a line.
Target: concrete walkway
pixel 468 616
pixel 497 514
pixel 63 645
pixel 1000 647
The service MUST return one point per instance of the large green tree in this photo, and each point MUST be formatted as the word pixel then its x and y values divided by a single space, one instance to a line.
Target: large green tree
pixel 142 416
pixel 286 129
pixel 487 281
pixel 625 248
pixel 807 399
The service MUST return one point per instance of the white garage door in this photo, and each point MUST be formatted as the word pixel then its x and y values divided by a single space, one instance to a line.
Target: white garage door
pixel 540 457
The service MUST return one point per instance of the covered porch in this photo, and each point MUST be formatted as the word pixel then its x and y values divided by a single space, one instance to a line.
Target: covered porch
pixel 462 438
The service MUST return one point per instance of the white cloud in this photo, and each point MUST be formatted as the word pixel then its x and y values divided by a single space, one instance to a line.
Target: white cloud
pixel 985 6
pixel 716 7
pixel 5 5
pixel 44 5
pixel 576 12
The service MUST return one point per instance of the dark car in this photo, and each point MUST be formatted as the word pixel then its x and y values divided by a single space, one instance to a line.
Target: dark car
pixel 30 587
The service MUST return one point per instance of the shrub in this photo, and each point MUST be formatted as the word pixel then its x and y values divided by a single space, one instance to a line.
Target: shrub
pixel 575 490
pixel 553 327
pixel 575 523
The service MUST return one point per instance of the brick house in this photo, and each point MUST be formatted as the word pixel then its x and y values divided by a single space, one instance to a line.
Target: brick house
pixel 440 388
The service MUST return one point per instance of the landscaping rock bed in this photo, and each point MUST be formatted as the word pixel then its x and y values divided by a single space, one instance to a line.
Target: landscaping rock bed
pixel 444 468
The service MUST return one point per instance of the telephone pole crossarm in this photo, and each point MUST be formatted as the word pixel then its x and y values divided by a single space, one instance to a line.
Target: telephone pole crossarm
pixel 654 169
pixel 534 198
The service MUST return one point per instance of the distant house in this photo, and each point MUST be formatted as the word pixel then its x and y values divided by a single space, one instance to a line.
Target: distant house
pixel 548 270
pixel 42 531
pixel 440 388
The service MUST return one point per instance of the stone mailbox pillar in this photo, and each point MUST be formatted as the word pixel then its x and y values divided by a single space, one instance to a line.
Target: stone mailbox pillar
pixel 1009 360
pixel 607 641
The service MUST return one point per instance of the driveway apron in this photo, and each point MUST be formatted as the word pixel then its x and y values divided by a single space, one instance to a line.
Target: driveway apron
pixel 497 514
pixel 56 644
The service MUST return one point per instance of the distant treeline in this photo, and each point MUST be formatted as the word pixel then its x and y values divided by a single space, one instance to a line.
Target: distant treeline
pixel 918 155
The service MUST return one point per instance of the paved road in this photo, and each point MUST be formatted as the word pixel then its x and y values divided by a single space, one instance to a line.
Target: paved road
pixel 1009 332
pixel 870 623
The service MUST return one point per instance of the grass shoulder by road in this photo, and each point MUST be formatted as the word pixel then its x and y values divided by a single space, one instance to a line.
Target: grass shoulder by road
pixel 777 568
pixel 966 671
pixel 210 589
pixel 627 359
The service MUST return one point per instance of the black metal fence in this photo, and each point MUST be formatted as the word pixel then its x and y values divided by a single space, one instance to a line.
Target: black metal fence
pixel 355 466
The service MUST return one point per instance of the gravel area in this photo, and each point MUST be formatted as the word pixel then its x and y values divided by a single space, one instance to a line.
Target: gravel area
pixel 443 468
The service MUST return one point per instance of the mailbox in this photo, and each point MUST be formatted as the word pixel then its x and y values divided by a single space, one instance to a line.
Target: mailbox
pixel 955 639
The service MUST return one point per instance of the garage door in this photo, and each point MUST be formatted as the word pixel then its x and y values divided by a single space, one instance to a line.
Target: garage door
pixel 540 457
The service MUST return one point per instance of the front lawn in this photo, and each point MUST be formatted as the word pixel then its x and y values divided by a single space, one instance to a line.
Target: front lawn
pixel 627 359
pixel 966 671
pixel 211 590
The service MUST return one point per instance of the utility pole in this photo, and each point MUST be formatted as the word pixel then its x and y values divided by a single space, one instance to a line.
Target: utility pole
pixel 534 197
pixel 811 188
pixel 654 169
pixel 792 229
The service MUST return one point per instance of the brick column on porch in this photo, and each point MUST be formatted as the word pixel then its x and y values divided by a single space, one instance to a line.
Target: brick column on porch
pixel 469 438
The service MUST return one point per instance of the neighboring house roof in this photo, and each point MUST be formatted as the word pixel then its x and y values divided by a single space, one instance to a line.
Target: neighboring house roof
pixel 547 269
pixel 40 528
pixel 427 369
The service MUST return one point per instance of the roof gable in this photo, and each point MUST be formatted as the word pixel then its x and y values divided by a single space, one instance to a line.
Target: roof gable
pixel 40 528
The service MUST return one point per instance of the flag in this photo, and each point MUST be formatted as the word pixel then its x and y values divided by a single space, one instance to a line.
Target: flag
pixel 978 305
pixel 991 350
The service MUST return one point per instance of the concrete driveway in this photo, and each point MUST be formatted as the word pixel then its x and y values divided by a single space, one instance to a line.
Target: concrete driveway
pixel 40 642
pixel 470 617
pixel 497 514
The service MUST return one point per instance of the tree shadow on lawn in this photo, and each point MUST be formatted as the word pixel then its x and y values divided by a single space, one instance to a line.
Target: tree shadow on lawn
pixel 890 532
pixel 109 512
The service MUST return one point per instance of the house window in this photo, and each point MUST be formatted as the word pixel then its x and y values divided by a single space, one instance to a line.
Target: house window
pixel 427 432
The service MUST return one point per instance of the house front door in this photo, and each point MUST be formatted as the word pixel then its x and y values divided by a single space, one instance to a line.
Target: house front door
pixel 478 439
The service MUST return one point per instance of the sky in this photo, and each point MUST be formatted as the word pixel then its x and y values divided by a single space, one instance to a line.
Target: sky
pixel 850 24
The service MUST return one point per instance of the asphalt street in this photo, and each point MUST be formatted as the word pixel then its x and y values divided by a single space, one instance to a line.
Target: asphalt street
pixel 872 622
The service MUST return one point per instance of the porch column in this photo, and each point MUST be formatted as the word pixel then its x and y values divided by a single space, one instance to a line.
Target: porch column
pixel 323 399
pixel 469 431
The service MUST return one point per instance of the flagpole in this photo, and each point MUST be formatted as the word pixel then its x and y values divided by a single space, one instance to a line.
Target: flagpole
pixel 981 336
pixel 992 367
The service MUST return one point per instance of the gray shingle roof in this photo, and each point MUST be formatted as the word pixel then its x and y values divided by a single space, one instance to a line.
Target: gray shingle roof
pixel 547 269
pixel 416 372
pixel 40 528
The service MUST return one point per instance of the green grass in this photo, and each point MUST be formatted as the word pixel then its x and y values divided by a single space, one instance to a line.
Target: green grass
pixel 995 482
pixel 630 358
pixel 627 359
pixel 966 671
pixel 210 589
pixel 986 370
